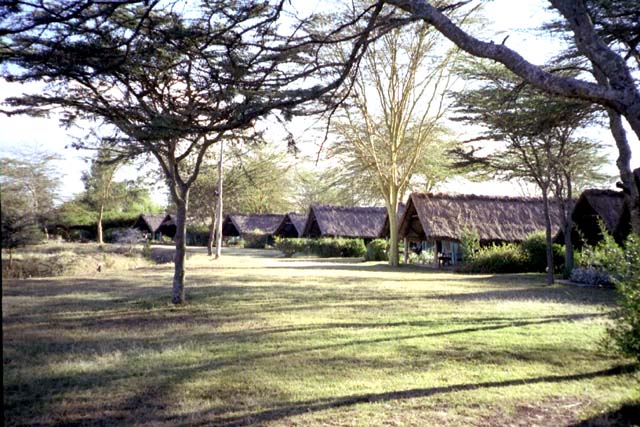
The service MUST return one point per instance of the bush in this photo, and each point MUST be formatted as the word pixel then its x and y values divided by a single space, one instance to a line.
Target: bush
pixel 469 244
pixel 534 248
pixel 424 257
pixel 291 246
pixel 591 276
pixel 197 235
pixel 377 250
pixel 256 241
pixel 508 258
pixel 625 332
pixel 325 247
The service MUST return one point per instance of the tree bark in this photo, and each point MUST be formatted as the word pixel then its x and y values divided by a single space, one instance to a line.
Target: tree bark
pixel 547 225
pixel 212 233
pixel 568 229
pixel 178 294
pixel 100 237
pixel 394 256
pixel 219 206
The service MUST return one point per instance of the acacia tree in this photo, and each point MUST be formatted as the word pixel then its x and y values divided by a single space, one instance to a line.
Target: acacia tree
pixel 98 182
pixel 605 33
pixel 171 85
pixel 539 136
pixel 393 113
pixel 30 184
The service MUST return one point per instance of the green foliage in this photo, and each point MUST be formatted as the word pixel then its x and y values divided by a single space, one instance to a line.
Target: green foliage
pixel 197 235
pixel 377 250
pixel 424 257
pixel 29 184
pixel 19 230
pixel 507 258
pixel 625 332
pixel 326 247
pixel 257 240
pixel 534 248
pixel 469 243
pixel 597 265
pixel 291 246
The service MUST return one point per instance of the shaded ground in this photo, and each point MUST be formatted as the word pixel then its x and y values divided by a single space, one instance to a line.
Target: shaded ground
pixel 272 341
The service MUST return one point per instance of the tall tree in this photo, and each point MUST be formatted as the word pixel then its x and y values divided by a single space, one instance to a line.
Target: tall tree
pixel 171 85
pixel 605 33
pixel 393 115
pixel 98 183
pixel 30 183
pixel 538 133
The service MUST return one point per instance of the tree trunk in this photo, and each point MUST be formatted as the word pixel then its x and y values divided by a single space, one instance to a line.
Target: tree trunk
pixel 547 226
pixel 212 233
pixel 100 236
pixel 623 162
pixel 392 212
pixel 178 295
pixel 219 206
pixel 568 229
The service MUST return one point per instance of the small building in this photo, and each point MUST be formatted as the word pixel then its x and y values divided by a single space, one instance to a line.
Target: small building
pixel 339 221
pixel 437 221
pixel 168 226
pixel 240 225
pixel 384 233
pixel 595 207
pixel 149 225
pixel 292 225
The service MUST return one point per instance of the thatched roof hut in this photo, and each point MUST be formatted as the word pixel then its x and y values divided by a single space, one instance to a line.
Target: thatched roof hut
pixel 384 233
pixel 340 221
pixel 292 225
pixel 595 206
pixel 168 226
pixel 149 223
pixel 241 224
pixel 436 217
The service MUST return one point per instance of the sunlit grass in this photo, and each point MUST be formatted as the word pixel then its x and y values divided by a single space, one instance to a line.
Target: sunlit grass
pixel 272 341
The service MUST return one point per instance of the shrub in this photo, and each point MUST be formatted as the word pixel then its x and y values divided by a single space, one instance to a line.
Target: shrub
pixel 591 276
pixel 508 258
pixel 291 246
pixel 625 332
pixel 256 240
pixel 326 247
pixel 424 257
pixel 377 250
pixel 352 248
pixel 197 235
pixel 469 244
pixel 534 249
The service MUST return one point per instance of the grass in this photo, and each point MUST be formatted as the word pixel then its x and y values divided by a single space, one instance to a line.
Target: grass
pixel 308 342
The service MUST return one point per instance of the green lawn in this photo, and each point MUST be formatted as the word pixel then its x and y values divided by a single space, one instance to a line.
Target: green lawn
pixel 302 342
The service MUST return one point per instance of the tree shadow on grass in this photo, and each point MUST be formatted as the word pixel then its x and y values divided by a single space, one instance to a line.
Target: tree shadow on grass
pixel 287 410
pixel 626 416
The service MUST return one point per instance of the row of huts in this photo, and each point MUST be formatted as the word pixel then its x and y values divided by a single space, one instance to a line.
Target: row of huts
pixel 430 221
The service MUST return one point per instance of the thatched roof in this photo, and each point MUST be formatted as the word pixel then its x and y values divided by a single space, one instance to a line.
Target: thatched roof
pixel 339 221
pixel 292 225
pixel 168 226
pixel 239 224
pixel 592 207
pixel 384 233
pixel 445 217
pixel 150 222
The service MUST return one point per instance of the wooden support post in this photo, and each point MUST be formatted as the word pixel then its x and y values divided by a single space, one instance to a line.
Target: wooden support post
pixel 435 253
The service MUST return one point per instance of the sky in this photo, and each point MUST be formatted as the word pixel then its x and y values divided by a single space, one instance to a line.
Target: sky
pixel 510 18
